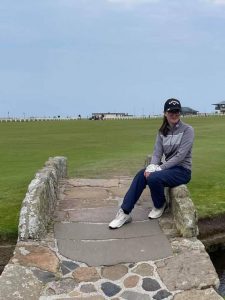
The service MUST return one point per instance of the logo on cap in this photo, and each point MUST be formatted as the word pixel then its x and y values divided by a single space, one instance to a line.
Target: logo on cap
pixel 174 102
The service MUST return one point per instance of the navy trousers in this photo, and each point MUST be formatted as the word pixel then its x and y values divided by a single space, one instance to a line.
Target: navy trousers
pixel 156 182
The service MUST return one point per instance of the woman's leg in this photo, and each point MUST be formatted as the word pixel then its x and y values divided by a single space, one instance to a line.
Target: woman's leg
pixel 137 186
pixel 166 178
pixel 133 194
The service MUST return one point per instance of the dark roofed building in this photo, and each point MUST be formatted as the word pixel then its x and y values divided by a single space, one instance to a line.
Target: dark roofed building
pixel 220 106
pixel 188 111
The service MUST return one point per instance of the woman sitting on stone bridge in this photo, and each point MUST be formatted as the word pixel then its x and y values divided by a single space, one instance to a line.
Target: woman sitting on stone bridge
pixel 174 141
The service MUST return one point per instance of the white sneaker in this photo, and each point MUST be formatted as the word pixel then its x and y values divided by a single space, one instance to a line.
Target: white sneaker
pixel 157 212
pixel 120 219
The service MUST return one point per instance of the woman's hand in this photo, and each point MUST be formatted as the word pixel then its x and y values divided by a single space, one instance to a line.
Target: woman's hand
pixel 146 174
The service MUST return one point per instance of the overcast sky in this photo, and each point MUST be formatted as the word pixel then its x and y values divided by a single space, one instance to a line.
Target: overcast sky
pixel 70 57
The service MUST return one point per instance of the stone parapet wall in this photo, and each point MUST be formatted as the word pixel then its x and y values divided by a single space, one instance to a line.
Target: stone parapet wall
pixel 40 200
pixel 184 212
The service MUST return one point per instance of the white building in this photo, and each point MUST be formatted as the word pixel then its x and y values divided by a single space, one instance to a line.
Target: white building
pixel 220 106
pixel 107 116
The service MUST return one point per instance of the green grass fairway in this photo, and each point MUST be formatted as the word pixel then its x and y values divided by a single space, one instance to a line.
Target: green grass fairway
pixel 102 149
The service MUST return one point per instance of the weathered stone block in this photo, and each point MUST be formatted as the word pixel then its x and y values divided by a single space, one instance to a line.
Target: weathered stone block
pixel 86 274
pixel 208 294
pixel 150 285
pixel 114 272
pixel 88 288
pixel 188 270
pixel 40 200
pixel 36 256
pixel 62 286
pixel 19 283
pixel 110 289
pixel 130 295
pixel 144 269
pixel 184 212
pixel 131 281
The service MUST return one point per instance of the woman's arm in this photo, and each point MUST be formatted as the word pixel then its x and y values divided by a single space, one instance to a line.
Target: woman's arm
pixel 158 151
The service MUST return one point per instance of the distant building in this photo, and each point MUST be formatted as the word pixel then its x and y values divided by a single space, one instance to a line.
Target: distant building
pixel 188 111
pixel 103 116
pixel 220 106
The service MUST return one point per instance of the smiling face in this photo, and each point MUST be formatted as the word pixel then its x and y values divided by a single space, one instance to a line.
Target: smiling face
pixel 172 116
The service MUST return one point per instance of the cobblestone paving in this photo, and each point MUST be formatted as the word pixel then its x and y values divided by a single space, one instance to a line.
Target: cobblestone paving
pixel 126 281
pixel 168 278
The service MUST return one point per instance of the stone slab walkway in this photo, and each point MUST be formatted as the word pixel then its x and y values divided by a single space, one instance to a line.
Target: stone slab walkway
pixel 88 238
pixel 66 265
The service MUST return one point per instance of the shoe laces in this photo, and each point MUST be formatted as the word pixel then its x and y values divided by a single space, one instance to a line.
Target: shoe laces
pixel 120 213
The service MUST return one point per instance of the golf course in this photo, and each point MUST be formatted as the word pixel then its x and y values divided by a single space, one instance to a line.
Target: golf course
pixel 104 149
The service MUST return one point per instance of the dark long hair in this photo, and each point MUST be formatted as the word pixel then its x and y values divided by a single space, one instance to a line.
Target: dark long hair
pixel 164 129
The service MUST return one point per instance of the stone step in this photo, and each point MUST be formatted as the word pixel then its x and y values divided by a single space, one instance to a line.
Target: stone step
pixel 98 214
pixel 90 231
pixel 103 183
pixel 115 251
pixel 69 203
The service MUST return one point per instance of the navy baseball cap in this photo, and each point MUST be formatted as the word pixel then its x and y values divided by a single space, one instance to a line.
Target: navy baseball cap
pixel 172 104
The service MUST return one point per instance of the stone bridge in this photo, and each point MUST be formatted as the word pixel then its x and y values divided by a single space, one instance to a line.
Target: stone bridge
pixel 65 249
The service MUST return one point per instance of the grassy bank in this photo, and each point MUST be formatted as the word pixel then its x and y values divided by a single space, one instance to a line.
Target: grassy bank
pixel 103 149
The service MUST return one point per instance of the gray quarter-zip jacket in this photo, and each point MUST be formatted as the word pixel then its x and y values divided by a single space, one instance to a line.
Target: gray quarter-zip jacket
pixel 176 146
